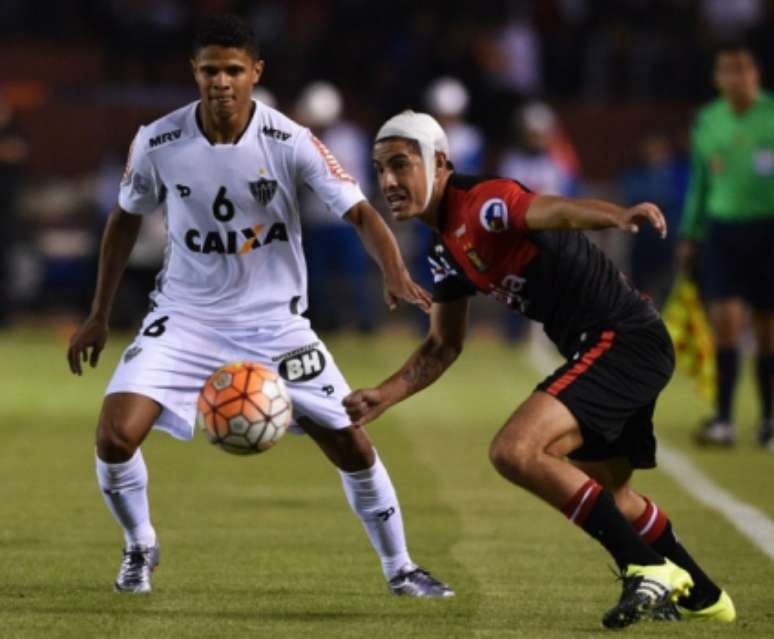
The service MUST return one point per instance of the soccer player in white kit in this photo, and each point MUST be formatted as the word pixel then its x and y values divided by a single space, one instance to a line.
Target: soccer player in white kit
pixel 226 170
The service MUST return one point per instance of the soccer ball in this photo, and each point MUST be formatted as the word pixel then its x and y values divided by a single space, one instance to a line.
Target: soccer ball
pixel 244 408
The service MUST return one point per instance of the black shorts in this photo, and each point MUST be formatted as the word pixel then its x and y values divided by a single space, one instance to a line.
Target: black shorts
pixel 611 385
pixel 737 260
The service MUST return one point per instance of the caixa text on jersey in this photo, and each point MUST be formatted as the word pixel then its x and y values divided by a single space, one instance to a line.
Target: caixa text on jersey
pixel 234 242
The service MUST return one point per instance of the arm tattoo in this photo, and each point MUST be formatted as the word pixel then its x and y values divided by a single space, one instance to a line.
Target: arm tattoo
pixel 425 370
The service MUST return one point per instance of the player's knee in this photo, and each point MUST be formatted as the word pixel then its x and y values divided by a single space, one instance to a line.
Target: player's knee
pixel 514 459
pixel 114 443
pixel 349 449
pixel 356 451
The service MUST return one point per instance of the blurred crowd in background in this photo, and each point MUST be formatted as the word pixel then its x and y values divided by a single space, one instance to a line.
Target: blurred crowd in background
pixel 573 97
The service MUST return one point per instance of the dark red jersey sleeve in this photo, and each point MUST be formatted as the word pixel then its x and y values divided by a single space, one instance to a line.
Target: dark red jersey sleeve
pixel 518 200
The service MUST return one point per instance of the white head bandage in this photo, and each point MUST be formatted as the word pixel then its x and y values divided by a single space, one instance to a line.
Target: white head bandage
pixel 426 132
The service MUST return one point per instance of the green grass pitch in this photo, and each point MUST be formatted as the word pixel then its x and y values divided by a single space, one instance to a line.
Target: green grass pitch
pixel 267 547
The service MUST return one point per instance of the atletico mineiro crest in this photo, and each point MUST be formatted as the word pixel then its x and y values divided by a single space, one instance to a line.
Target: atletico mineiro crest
pixel 263 190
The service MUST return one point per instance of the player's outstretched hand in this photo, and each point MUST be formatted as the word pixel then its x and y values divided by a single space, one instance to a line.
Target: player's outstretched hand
pixel 86 344
pixel 634 217
pixel 402 287
pixel 364 405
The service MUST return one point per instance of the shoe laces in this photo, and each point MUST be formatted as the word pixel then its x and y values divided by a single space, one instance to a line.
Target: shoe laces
pixel 421 576
pixel 629 583
pixel 134 560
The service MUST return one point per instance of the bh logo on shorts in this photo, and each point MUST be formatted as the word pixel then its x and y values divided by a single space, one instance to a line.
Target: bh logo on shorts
pixel 302 364
pixel 494 215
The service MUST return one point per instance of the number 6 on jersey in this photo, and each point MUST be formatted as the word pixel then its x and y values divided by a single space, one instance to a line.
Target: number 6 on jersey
pixel 222 207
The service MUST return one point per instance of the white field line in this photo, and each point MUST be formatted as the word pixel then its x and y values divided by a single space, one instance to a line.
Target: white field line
pixel 748 520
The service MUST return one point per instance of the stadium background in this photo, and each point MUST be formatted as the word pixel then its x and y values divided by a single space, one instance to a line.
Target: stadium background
pixel 80 76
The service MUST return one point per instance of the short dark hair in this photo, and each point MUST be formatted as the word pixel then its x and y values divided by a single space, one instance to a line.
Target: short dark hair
pixel 735 46
pixel 228 30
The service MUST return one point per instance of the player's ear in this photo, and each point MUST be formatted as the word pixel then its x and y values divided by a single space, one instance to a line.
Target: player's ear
pixel 716 75
pixel 440 161
pixel 257 71
pixel 757 72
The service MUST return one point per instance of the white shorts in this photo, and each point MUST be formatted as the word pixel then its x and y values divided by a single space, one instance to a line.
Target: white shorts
pixel 170 359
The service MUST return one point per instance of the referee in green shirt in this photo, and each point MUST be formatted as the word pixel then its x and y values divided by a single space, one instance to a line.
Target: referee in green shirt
pixel 729 217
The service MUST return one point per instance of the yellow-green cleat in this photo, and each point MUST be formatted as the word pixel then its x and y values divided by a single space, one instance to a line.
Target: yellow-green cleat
pixel 646 588
pixel 722 610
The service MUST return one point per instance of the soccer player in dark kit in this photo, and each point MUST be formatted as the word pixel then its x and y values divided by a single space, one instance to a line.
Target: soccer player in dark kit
pixel 575 441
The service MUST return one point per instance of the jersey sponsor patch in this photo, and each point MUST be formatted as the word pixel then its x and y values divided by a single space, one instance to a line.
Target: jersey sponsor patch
pixel 301 364
pixel 251 241
pixel 162 138
pixel 440 269
pixel 234 242
pixel 494 215
pixel 276 134
pixel 509 292
pixel 333 164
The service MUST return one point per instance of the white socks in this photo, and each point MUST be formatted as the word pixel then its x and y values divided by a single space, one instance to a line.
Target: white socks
pixel 372 497
pixel 369 492
pixel 125 489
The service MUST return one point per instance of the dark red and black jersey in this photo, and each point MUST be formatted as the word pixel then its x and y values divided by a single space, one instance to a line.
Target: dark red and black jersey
pixel 556 277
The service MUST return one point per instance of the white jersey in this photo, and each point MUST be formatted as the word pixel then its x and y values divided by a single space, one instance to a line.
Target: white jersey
pixel 234 255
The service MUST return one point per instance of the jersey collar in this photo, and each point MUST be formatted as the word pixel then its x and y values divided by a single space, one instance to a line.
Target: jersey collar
pixel 198 120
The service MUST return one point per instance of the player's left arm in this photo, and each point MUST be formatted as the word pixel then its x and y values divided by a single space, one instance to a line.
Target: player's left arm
pixel 320 171
pixel 383 248
pixel 555 212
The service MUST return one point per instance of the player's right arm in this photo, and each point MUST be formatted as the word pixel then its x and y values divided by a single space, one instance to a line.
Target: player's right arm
pixel 140 193
pixel 118 240
pixel 443 344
